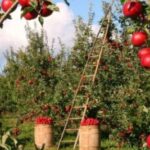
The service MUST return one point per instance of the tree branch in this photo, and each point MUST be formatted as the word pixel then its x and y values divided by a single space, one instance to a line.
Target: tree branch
pixel 4 17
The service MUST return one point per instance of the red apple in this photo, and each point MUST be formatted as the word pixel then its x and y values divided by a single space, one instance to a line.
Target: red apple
pixel 17 82
pixel 45 11
pixel 144 51
pixel 15 131
pixel 30 15
pixel 148 141
pixel 68 108
pixel 139 38
pixel 24 3
pixel 145 61
pixel 6 4
pixel 132 9
pixel 30 82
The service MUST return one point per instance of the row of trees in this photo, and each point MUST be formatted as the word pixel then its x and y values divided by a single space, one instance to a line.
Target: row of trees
pixel 35 82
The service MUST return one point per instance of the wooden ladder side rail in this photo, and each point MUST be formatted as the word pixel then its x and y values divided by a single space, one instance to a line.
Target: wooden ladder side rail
pixel 8 12
pixel 102 48
pixel 99 31
pixel 94 45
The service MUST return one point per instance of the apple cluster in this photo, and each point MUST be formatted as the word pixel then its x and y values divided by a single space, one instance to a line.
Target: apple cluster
pixel 30 8
pixel 89 121
pixel 134 9
pixel 43 120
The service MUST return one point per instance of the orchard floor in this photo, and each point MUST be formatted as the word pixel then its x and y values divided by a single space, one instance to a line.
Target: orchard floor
pixel 26 135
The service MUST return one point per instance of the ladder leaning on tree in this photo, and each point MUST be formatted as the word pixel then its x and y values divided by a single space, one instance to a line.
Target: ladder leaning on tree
pixel 82 91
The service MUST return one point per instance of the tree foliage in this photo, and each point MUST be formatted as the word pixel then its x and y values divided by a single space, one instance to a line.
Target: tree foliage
pixel 34 80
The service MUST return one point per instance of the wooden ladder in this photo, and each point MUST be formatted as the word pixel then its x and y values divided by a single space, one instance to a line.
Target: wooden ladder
pixel 82 92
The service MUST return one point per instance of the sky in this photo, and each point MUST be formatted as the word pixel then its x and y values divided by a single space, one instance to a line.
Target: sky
pixel 58 25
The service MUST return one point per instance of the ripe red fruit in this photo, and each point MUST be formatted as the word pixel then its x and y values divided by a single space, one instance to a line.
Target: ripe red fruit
pixel 115 44
pixel 24 3
pixel 15 131
pixel 30 82
pixel 30 15
pixel 17 82
pixel 142 52
pixel 68 108
pixel 122 134
pixel 129 65
pixel 49 59
pixel 6 4
pixel 148 141
pixel 139 38
pixel 45 11
pixel 132 9
pixel 145 61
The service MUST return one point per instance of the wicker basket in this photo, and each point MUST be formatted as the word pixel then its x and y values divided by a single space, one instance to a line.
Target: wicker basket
pixel 89 137
pixel 43 136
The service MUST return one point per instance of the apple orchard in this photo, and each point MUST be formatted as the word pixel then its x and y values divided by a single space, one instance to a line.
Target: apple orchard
pixel 34 82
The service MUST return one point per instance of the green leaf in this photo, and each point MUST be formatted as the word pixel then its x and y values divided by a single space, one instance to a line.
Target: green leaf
pixel 148 2
pixel 20 147
pixel 122 1
pixel 34 4
pixel 8 147
pixel 4 147
pixel 9 17
pixel 53 7
pixel 1 14
pixel 41 20
pixel 5 137
pixel 130 30
pixel 14 140
pixel 145 109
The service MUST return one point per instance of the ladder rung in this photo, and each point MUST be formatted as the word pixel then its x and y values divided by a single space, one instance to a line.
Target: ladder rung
pixel 93 56
pixel 79 107
pixel 91 65
pixel 83 96
pixel 84 86
pixel 75 118
pixel 95 53
pixel 70 129
pixel 68 141
pixel 88 76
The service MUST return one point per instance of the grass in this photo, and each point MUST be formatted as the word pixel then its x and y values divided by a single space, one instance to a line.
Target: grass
pixel 26 136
